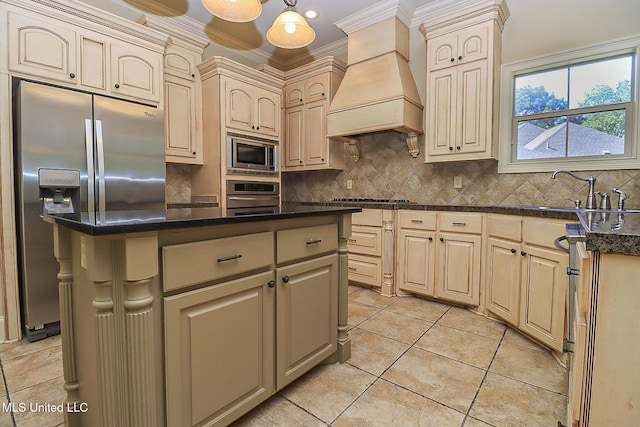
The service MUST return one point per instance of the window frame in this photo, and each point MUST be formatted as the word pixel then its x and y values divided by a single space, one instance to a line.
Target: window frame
pixel 629 160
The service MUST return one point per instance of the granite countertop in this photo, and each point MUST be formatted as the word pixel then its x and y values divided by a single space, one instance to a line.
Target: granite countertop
pixel 605 231
pixel 118 222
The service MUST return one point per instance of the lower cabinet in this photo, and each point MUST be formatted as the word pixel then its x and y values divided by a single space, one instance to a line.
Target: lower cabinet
pixel 228 325
pixel 439 255
pixel 307 317
pixel 231 345
pixel 526 281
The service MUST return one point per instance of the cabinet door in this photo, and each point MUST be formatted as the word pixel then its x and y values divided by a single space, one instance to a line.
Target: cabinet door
pixel 316 88
pixel 503 279
pixel 40 48
pixel 471 108
pixel 135 72
pixel 442 51
pixel 94 63
pixel 181 63
pixel 544 289
pixel 267 113
pixel 181 136
pixel 416 261
pixel 473 44
pixel 459 268
pixel 230 325
pixel 316 143
pixel 307 319
pixel 294 137
pixel 239 104
pixel 293 94
pixel 441 117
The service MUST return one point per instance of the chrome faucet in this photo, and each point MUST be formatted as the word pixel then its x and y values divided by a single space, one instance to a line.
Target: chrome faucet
pixel 591 198
pixel 622 196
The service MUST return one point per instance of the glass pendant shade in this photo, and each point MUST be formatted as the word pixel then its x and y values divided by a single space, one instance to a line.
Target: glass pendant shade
pixel 234 10
pixel 290 31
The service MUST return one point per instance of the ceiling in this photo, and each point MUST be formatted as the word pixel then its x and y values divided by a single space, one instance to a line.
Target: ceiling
pixel 250 36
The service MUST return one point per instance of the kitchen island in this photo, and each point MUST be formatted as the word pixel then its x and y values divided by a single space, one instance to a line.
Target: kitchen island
pixel 195 321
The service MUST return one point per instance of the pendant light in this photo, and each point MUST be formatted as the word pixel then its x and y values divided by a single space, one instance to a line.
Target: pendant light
pixel 234 10
pixel 290 30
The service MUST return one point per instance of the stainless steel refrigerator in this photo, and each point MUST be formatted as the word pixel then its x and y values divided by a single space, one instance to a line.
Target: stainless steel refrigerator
pixel 118 149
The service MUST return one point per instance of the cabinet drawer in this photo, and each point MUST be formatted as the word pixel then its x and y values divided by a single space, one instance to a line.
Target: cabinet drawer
pixel 364 269
pixel 506 227
pixel 542 232
pixel 365 240
pixel 420 220
pixel 192 263
pixel 372 217
pixel 461 223
pixel 306 241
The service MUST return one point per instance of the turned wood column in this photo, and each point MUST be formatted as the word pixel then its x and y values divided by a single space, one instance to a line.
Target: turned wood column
pixel 344 342
pixel 388 252
pixel 140 267
pixel 62 252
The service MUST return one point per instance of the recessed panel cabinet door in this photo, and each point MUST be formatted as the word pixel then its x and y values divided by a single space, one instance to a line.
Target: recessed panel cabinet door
pixel 227 325
pixel 39 47
pixel 417 255
pixel 267 112
pixel 459 274
pixel 180 127
pixel 503 279
pixel 442 119
pixel 316 143
pixel 544 289
pixel 135 72
pixel 307 320
pixel 294 135
pixel 239 101
pixel 472 108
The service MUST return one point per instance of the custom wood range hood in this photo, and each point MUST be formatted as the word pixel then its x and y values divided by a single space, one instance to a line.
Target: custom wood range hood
pixel 378 92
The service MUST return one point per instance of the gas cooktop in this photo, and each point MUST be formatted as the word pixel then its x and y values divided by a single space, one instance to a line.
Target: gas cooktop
pixel 368 200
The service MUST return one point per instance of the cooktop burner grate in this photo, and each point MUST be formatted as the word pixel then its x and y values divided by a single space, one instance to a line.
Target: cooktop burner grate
pixel 369 200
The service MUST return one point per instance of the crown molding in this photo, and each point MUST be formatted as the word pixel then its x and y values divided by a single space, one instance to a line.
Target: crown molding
pixel 401 9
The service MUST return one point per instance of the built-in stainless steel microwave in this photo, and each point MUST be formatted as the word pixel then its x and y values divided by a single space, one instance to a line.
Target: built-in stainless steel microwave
pixel 252 153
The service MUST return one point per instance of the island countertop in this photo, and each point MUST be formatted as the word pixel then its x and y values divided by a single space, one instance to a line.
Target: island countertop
pixel 118 222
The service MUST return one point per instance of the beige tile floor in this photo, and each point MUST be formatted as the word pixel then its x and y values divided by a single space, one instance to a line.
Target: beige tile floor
pixel 414 363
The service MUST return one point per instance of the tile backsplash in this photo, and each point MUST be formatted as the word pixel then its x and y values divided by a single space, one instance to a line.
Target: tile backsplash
pixel 386 170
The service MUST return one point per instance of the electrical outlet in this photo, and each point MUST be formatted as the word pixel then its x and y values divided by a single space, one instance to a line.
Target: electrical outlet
pixel 349 184
pixel 457 182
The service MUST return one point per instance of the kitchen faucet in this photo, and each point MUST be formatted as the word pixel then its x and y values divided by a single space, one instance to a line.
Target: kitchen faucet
pixel 591 198
pixel 622 196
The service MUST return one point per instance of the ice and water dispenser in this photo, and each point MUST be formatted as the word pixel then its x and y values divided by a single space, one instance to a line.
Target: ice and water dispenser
pixel 59 190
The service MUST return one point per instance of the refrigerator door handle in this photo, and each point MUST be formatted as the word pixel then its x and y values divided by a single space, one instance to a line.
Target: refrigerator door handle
pixel 100 158
pixel 88 140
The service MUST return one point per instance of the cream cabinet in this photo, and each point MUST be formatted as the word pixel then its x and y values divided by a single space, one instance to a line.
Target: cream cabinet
pixel 251 109
pixel 365 247
pixel 463 62
pixel 182 93
pixel 526 276
pixel 307 94
pixel 439 255
pixel 53 51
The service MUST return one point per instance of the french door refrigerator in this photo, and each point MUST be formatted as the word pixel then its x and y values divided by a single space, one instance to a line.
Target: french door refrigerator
pixel 118 149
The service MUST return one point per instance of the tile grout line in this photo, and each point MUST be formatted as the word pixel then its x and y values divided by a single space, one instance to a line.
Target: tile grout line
pixel 6 387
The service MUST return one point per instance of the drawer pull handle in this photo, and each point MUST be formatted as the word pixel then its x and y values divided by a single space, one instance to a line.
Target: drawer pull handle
pixel 313 241
pixel 352 240
pixel 352 268
pixel 416 221
pixel 229 258
pixel 460 224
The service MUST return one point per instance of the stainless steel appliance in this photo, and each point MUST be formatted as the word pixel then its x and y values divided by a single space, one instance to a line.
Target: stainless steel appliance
pixel 248 153
pixel 116 148
pixel 252 197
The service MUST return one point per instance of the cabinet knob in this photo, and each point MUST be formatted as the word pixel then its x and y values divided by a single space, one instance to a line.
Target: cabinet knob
pixel 72 75
pixel 513 251
pixel 322 93
pixel 430 239
pixel 523 253
pixel 458 147
pixel 442 239
pixel 453 59
pixel 285 279
pixel 193 75
pixel 194 153
pixel 300 99
pixel 253 127
pixel 450 148
pixel 300 161
pixel 322 159
pixel 460 58
pixel 117 86
pixel 271 283
pixel 257 127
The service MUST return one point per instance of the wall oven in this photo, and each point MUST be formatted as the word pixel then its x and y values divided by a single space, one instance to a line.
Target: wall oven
pixel 249 154
pixel 252 197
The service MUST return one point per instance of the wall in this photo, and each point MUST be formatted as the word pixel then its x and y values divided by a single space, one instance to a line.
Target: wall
pixel 385 169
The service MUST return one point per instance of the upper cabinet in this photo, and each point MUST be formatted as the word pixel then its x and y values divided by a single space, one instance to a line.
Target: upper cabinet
pixel 103 55
pixel 182 93
pixel 463 63
pixel 307 94
pixel 252 109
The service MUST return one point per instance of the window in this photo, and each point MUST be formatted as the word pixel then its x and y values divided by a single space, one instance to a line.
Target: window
pixel 575 110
